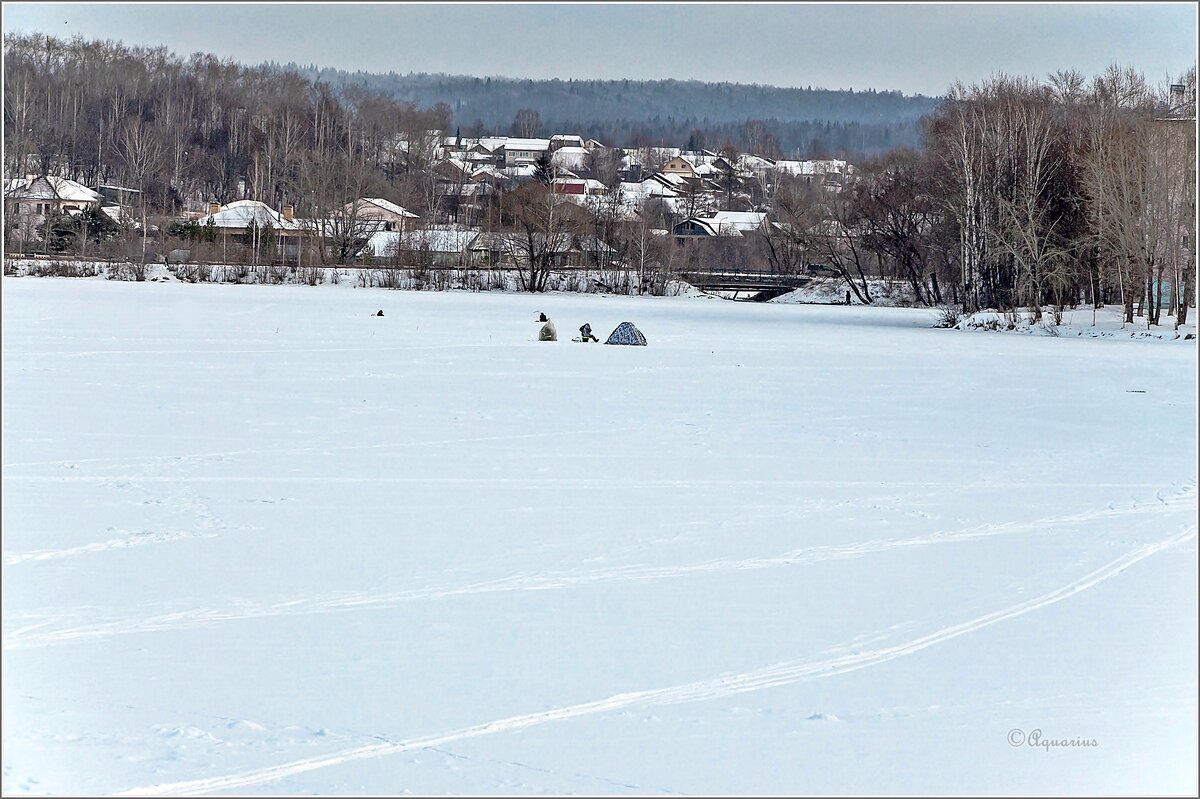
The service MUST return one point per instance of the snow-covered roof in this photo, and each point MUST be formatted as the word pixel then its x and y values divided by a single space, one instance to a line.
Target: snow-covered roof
pixel 116 213
pixel 569 156
pixel 742 220
pixel 488 171
pixel 114 187
pixel 567 137
pixel 456 163
pixel 521 171
pixel 633 155
pixel 648 188
pixel 49 187
pixel 239 213
pixel 625 210
pixel 729 223
pixel 434 239
pixel 669 179
pixel 526 144
pixel 699 157
pixel 389 206
pixel 832 166
pixel 589 184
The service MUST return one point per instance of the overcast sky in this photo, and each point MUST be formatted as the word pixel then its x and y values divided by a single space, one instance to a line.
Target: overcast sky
pixel 913 48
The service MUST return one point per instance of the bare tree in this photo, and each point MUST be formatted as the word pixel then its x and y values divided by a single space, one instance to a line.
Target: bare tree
pixel 604 164
pixel 527 123
pixel 544 227
pixel 142 152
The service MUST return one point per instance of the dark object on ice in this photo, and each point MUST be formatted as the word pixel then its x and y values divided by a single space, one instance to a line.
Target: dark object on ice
pixel 547 333
pixel 542 318
pixel 626 333
pixel 585 333
pixel 379 313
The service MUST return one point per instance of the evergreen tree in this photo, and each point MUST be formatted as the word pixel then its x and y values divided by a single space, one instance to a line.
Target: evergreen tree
pixel 543 171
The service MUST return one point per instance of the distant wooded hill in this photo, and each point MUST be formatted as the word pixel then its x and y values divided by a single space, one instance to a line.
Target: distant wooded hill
pixel 804 122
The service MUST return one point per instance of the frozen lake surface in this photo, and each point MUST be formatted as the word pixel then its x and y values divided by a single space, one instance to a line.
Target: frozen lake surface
pixel 257 540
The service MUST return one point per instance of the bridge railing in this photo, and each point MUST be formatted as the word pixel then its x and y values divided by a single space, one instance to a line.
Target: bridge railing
pixel 745 278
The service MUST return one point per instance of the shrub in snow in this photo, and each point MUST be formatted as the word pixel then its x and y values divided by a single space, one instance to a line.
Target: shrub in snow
pixel 949 317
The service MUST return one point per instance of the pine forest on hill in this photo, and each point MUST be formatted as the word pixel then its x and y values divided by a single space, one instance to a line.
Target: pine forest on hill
pixel 806 122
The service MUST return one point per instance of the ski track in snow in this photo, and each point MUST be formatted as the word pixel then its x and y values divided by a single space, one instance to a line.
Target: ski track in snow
pixel 135 540
pixel 716 688
pixel 208 525
pixel 201 456
pixel 37 636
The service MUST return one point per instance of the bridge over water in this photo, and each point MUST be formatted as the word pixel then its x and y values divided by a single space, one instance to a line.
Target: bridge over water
pixel 758 286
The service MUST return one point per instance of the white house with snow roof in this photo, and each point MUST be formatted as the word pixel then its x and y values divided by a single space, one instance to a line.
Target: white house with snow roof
pixel 37 196
pixel 574 158
pixel 232 223
pixel 238 215
pixel 523 151
pixel 720 223
pixel 441 245
pixel 393 216
pixel 830 173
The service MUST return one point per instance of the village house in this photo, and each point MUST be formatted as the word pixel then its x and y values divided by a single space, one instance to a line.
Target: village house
pixel 509 250
pixel 39 196
pixel 831 174
pixel 245 223
pixel 560 140
pixel 30 201
pixel 443 246
pixel 680 165
pixel 523 151
pixel 577 185
pixel 489 249
pixel 573 158
pixel 721 223
pixel 391 215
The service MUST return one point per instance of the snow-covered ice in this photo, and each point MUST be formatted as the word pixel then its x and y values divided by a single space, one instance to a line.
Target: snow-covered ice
pixel 259 540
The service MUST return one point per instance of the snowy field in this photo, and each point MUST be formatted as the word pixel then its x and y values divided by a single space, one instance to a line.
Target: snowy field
pixel 259 541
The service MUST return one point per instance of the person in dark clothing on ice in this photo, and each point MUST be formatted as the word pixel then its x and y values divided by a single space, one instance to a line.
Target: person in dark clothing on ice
pixel 585 333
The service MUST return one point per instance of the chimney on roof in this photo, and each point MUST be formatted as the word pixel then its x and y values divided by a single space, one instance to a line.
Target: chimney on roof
pixel 214 208
pixel 289 213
